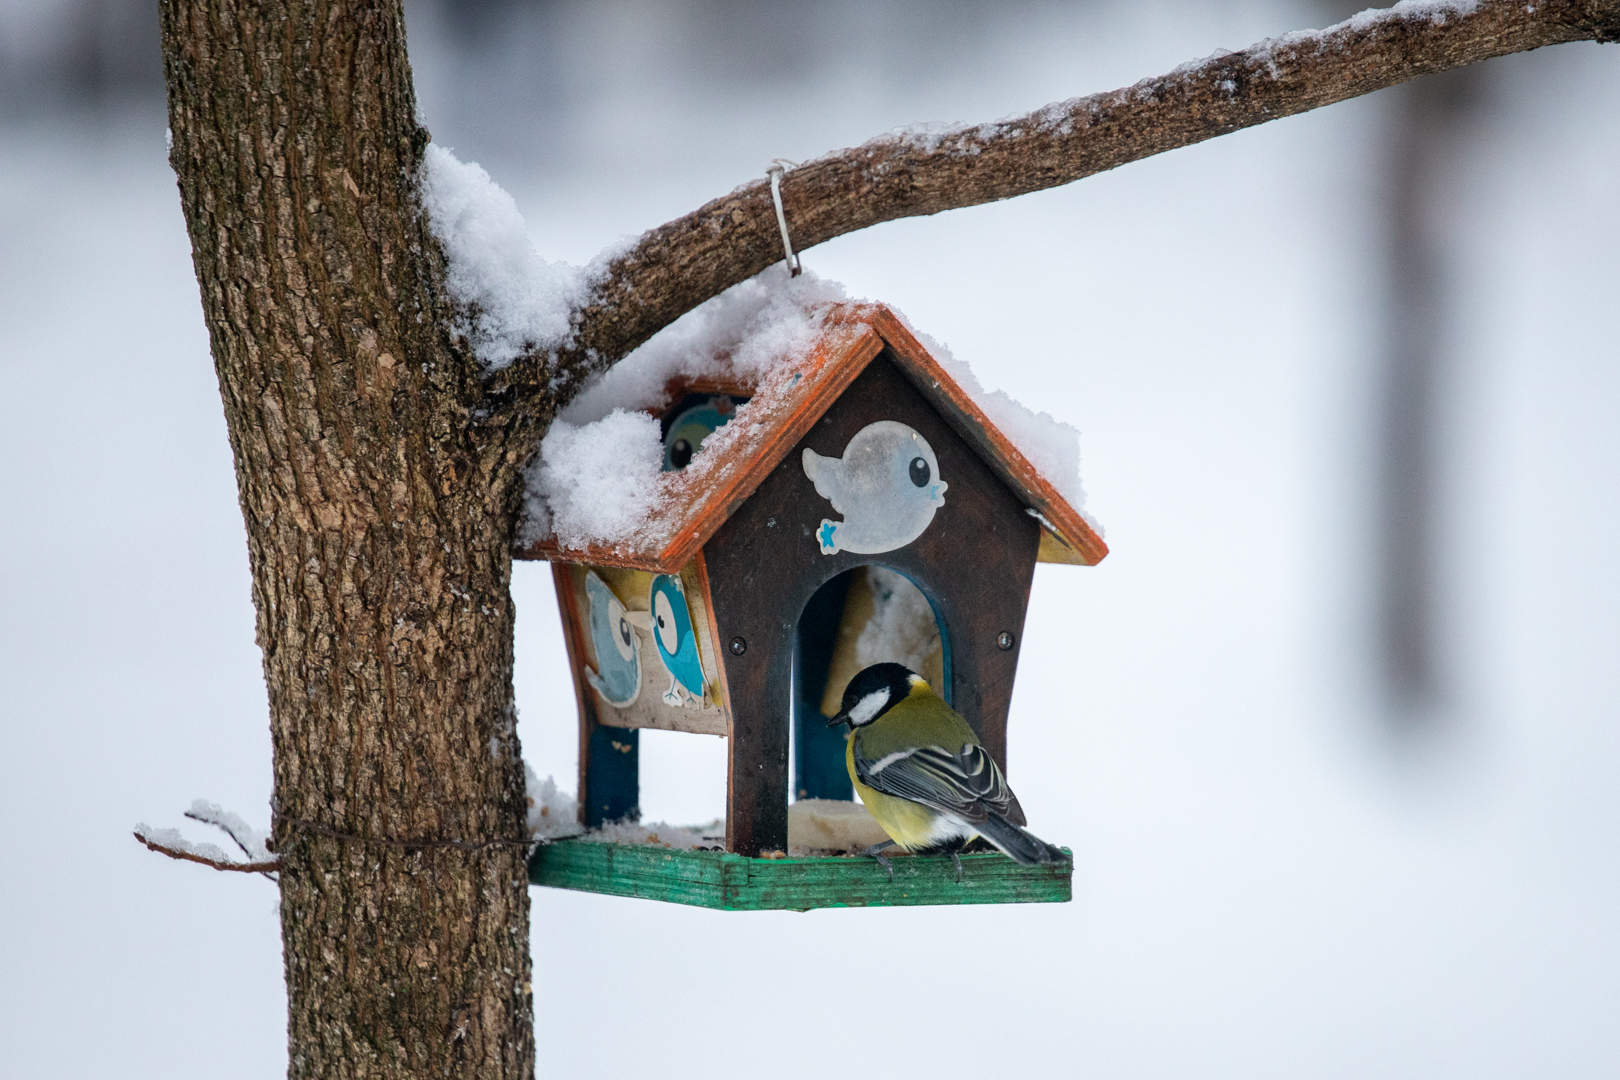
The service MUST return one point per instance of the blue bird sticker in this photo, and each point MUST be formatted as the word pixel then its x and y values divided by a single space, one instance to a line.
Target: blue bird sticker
pixel 676 641
pixel 688 431
pixel 617 645
pixel 887 486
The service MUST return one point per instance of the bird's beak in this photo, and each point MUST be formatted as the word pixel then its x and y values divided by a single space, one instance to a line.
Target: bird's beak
pixel 841 718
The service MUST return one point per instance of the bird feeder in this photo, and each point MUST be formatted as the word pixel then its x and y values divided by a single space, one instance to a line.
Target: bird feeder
pixel 862 466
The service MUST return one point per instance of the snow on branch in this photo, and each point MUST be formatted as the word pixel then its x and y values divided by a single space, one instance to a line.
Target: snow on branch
pixel 510 297
pixel 670 270
pixel 253 843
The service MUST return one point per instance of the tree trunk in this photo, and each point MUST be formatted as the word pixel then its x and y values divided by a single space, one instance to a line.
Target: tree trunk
pixel 379 527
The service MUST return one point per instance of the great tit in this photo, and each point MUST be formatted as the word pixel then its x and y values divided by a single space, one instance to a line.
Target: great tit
pixel 921 772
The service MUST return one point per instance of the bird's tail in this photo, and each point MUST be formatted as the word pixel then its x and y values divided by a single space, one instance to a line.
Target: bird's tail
pixel 1021 845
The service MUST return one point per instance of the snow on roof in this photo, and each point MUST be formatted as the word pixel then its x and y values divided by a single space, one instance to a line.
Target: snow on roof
pixel 597 485
pixel 597 491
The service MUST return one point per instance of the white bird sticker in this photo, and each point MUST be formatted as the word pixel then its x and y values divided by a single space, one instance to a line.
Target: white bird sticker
pixel 618 648
pixel 887 486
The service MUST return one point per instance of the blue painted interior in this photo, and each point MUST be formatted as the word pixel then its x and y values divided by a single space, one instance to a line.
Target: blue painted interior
pixel 818 750
pixel 613 781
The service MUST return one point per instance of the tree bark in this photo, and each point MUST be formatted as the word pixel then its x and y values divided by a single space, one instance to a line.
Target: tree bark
pixel 379 528
pixel 379 468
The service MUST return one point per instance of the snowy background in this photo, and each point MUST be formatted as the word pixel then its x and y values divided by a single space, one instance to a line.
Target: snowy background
pixel 1278 874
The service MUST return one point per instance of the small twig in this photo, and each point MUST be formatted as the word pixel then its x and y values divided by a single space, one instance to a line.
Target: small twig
pixel 241 833
pixel 171 843
pixel 187 855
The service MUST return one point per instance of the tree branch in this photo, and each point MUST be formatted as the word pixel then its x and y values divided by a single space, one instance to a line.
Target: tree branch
pixel 171 843
pixel 677 266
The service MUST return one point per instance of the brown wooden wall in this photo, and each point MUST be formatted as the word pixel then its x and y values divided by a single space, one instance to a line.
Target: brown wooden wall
pixel 975 562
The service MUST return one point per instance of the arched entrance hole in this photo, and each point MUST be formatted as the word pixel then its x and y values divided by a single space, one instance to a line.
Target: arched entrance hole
pixel 868 615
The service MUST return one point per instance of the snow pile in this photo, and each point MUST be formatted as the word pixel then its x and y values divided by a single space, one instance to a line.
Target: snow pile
pixel 747 331
pixel 553 814
pixel 657 834
pixel 598 477
pixel 515 299
pixel 596 482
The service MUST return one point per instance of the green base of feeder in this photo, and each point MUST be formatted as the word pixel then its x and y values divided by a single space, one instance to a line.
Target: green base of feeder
pixel 718 879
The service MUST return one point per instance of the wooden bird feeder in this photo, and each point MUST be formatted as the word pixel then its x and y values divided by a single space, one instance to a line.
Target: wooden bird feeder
pixel 740 612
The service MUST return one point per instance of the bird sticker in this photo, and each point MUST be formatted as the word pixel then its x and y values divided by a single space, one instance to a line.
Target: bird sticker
pixel 618 647
pixel 677 643
pixel 887 486
pixel 688 430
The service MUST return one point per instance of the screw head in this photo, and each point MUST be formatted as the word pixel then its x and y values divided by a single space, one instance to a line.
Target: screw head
pixel 738 646
pixel 1005 640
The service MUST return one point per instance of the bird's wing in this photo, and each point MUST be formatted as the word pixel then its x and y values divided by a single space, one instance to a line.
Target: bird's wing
pixel 966 784
pixel 827 474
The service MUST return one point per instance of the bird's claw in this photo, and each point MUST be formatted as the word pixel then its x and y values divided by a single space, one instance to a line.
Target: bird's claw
pixel 876 852
pixel 957 859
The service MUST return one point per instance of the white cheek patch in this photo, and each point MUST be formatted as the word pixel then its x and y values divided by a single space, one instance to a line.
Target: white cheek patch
pixel 868 707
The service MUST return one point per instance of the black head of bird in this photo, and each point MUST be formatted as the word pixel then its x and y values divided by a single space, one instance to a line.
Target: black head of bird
pixel 873 692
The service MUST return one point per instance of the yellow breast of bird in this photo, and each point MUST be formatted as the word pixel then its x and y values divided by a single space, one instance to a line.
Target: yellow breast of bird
pixel 908 824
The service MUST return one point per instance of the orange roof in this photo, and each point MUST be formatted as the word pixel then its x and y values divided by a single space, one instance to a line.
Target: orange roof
pixel 782 408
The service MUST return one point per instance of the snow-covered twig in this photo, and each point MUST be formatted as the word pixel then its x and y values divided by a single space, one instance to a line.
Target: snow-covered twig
pixel 169 842
pixel 253 843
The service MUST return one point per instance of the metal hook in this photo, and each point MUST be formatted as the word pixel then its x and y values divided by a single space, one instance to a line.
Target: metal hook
pixel 778 167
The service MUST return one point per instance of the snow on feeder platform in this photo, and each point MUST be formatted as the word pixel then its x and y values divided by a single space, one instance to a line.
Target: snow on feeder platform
pixel 732 541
